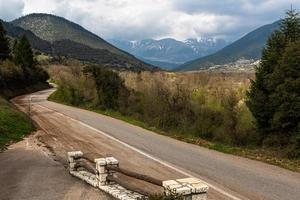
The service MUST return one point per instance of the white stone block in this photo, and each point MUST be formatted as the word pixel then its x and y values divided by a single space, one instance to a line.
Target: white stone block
pixel 195 184
pixel 72 166
pixel 71 159
pixel 174 187
pixel 100 161
pixel 169 182
pixel 183 190
pixel 111 161
pixel 75 154
pixel 199 188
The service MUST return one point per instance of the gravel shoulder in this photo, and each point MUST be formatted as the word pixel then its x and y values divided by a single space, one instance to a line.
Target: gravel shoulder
pixel 30 172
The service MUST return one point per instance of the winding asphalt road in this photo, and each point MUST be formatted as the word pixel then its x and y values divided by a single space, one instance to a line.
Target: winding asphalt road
pixel 235 177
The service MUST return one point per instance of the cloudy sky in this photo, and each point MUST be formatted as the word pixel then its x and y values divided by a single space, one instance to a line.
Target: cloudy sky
pixel 140 19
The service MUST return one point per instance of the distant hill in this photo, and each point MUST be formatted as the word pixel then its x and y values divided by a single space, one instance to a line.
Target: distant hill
pixel 36 42
pixel 110 56
pixel 248 47
pixel 82 52
pixel 169 53
pixel 53 28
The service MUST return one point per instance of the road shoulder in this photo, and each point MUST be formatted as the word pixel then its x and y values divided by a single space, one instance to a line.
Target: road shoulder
pixel 29 171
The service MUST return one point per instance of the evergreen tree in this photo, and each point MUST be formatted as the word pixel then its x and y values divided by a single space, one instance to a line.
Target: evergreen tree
pixel 274 95
pixel 23 54
pixel 258 97
pixel 290 26
pixel 285 122
pixel 4 44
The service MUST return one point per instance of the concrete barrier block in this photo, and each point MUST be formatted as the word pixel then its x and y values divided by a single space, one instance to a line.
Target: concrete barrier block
pixel 111 161
pixel 100 161
pixel 75 154
pixel 169 182
pixel 199 188
pixel 71 159
pixel 72 166
pixel 101 165
pixel 183 190
pixel 196 185
pixel 190 188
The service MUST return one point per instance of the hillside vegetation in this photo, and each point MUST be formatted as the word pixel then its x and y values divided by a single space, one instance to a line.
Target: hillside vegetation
pixel 70 49
pixel 53 28
pixel 14 125
pixel 58 37
pixel 248 47
pixel 18 74
pixel 204 108
pixel 202 105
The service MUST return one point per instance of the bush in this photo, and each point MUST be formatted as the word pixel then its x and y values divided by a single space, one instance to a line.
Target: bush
pixel 211 110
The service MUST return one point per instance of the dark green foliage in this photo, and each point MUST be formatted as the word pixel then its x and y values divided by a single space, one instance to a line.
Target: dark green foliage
pixel 36 43
pixel 22 73
pixel 14 125
pixel 290 26
pixel 4 44
pixel 14 79
pixel 109 86
pixel 23 54
pixel 274 96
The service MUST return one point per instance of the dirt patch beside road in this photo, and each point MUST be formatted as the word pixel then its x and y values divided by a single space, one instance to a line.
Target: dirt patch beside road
pixel 29 172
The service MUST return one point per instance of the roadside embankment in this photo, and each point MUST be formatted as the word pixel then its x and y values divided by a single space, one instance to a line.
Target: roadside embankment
pixel 14 125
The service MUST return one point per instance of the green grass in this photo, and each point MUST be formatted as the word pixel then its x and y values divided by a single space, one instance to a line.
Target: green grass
pixel 266 155
pixel 14 125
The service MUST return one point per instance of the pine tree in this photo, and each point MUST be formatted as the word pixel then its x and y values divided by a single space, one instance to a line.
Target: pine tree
pixel 258 97
pixel 274 95
pixel 290 26
pixel 285 121
pixel 4 44
pixel 23 54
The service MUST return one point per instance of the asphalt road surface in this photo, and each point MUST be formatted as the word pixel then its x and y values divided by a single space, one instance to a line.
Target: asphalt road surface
pixel 232 176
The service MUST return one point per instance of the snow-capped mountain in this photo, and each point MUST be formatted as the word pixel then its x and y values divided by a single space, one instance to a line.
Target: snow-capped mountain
pixel 168 53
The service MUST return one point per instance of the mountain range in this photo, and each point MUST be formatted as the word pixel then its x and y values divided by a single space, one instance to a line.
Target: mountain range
pixel 169 53
pixel 249 47
pixel 57 36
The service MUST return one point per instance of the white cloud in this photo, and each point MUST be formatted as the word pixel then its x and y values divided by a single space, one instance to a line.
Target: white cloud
pixel 11 9
pixel 139 19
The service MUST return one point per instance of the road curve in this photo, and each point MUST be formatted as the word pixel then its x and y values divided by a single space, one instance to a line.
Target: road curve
pixel 236 177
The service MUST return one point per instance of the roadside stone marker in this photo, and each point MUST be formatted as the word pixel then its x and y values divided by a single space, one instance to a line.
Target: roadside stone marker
pixel 189 188
pixel 99 180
